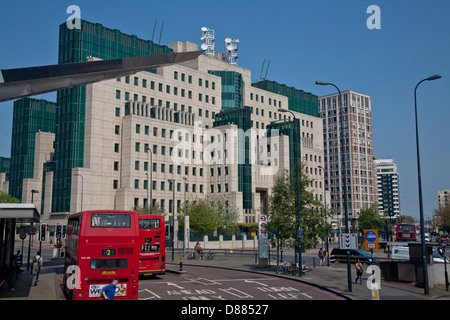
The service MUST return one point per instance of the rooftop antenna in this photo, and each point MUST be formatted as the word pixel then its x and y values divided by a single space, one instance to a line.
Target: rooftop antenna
pixel 160 34
pixel 267 69
pixel 208 38
pixel 261 78
pixel 262 68
pixel 231 47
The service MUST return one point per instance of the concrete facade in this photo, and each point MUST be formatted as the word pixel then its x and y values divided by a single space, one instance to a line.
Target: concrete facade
pixel 171 113
pixel 358 152
pixel 388 188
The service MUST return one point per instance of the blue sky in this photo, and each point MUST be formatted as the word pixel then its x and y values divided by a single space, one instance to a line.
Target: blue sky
pixel 305 41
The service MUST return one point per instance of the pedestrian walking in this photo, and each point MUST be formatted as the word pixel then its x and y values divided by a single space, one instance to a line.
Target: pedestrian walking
pixel 359 271
pixel 40 263
pixel 321 257
pixel 35 271
pixel 109 291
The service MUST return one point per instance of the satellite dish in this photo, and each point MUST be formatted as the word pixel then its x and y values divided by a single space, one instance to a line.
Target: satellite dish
pixel 204 29
pixel 204 46
pixel 227 40
pixel 230 48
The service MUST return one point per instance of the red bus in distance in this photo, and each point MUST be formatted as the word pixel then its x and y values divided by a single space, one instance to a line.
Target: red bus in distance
pixel 152 245
pixel 102 245
pixel 405 232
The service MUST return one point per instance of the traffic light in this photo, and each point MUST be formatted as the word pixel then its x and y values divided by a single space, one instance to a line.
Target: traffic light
pixel 58 231
pixel 43 231
pixel 64 230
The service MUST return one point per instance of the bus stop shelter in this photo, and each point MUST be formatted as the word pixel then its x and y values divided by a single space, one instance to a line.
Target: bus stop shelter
pixel 10 214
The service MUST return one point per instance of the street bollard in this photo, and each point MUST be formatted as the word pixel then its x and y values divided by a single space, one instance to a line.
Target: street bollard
pixel 181 264
pixel 314 262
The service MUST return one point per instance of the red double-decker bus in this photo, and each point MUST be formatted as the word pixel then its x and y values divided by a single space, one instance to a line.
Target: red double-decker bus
pixel 405 232
pixel 152 242
pixel 102 245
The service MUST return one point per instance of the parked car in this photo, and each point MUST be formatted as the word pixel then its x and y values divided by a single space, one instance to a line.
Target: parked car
pixel 427 237
pixel 437 258
pixel 340 255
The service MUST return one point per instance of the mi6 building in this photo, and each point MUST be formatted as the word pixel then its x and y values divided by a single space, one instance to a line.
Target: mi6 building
pixel 202 124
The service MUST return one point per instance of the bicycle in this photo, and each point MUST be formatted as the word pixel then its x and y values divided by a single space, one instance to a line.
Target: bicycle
pixel 305 268
pixel 209 255
pixel 294 268
pixel 192 256
pixel 283 267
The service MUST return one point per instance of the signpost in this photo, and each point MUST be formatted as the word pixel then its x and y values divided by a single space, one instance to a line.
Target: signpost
pixel 370 239
pixel 263 241
pixel 348 241
pixel 443 242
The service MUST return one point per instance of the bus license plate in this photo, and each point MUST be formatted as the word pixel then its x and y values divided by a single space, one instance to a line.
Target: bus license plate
pixel 109 272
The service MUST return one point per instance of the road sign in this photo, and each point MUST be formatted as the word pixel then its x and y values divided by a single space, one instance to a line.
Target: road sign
pixel 263 237
pixel 27 230
pixel 370 239
pixel 443 241
pixel 348 241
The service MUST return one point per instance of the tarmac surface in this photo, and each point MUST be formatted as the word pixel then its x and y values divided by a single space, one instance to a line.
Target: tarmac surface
pixel 332 278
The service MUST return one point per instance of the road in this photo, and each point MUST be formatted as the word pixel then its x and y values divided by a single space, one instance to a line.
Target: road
pixel 202 283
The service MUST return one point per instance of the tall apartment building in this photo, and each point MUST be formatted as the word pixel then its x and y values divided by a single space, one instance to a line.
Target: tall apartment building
pixel 117 142
pixel 443 198
pixel 388 188
pixel 355 148
pixel 32 144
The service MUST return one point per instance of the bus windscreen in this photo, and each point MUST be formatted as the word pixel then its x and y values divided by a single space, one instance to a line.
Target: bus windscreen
pixel 102 220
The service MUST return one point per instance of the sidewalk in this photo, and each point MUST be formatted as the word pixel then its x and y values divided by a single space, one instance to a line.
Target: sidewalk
pixel 49 285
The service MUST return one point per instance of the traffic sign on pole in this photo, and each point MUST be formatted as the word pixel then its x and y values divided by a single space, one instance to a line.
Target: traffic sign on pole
pixel 443 241
pixel 370 239
pixel 348 241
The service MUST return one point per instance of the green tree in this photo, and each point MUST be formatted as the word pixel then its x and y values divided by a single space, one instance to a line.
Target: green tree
pixel 442 217
pixel 210 214
pixel 407 219
pixel 283 214
pixel 370 219
pixel 6 198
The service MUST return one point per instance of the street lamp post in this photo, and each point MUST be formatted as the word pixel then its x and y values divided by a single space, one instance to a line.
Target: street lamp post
pixel 172 181
pixel 185 207
pixel 297 173
pixel 422 226
pixel 344 173
pixel 33 191
pixel 326 218
pixel 149 193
